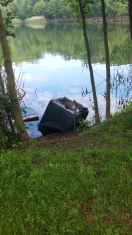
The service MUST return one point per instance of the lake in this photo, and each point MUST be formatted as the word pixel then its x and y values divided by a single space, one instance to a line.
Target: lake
pixel 49 61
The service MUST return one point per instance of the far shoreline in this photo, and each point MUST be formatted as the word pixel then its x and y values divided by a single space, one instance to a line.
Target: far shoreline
pixel 89 20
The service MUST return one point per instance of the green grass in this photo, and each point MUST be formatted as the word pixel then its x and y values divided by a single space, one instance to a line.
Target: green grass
pixel 84 190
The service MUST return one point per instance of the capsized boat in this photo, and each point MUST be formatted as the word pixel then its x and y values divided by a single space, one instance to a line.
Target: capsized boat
pixel 62 114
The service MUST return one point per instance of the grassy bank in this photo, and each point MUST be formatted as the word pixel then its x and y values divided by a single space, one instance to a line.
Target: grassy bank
pixel 36 19
pixel 62 186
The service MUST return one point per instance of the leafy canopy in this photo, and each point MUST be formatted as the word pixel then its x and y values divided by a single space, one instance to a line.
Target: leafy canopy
pixel 8 19
pixel 4 3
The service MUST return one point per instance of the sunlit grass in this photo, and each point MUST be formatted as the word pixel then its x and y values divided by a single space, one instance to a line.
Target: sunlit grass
pixel 36 19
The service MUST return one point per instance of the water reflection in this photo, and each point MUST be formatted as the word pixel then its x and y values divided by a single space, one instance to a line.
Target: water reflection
pixel 67 41
pixel 122 85
pixel 54 77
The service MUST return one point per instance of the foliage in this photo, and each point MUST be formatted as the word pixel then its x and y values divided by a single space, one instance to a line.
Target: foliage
pixel 85 189
pixel 113 8
pixel 5 2
pixel 84 123
pixel 58 9
pixel 75 8
pixel 8 24
pixel 8 17
pixel 7 131
pixel 128 108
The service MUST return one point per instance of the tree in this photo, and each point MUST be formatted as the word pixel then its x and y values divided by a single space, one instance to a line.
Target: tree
pixel 20 8
pixel 81 8
pixel 39 8
pixel 11 83
pixel 82 12
pixel 130 15
pixel 107 61
pixel 5 117
pixel 55 8
pixel 116 8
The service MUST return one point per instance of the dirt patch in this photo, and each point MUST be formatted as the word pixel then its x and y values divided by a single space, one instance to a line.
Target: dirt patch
pixel 67 140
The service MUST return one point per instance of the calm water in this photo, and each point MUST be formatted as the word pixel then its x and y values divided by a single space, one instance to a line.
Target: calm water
pixel 50 60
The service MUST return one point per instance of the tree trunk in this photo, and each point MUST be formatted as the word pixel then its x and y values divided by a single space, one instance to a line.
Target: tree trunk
pixel 2 90
pixel 97 118
pixel 3 127
pixel 107 61
pixel 5 106
pixel 130 15
pixel 11 83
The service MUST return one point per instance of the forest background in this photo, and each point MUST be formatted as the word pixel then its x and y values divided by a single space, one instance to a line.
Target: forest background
pixel 55 9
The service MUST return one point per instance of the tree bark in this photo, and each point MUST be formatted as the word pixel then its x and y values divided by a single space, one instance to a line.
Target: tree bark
pixel 11 83
pixel 5 104
pixel 2 90
pixel 3 127
pixel 108 115
pixel 130 15
pixel 97 118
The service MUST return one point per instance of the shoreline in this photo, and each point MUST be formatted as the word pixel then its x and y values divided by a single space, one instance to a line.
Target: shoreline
pixel 89 20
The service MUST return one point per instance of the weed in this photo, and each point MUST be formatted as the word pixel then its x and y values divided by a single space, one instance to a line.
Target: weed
pixel 84 123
